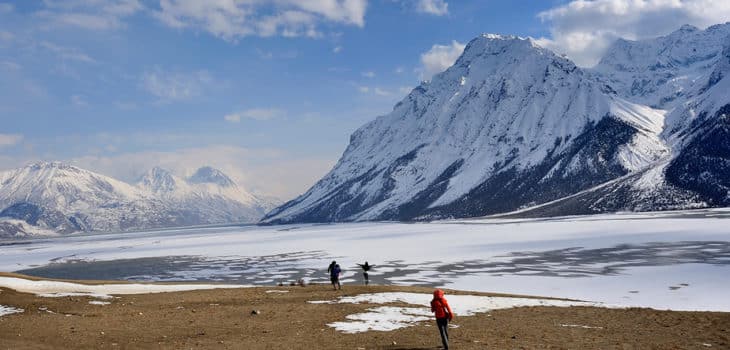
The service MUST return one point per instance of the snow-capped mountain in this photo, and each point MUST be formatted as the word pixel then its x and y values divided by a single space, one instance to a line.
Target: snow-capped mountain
pixel 663 72
pixel 696 128
pixel 509 124
pixel 208 191
pixel 60 198
pixel 512 125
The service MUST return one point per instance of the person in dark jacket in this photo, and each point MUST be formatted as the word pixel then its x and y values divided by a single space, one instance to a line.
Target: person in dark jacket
pixel 334 271
pixel 365 268
pixel 440 307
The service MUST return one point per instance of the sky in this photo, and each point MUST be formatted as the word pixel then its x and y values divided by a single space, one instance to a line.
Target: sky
pixel 268 91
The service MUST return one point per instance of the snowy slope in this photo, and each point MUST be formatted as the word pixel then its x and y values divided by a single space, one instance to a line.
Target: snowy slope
pixel 64 199
pixel 507 109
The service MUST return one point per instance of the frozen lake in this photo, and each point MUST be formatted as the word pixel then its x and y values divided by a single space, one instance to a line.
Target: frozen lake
pixel 674 260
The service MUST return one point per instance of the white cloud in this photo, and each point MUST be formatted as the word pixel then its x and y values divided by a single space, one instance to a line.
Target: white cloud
pixel 231 20
pixel 433 7
pixel 6 37
pixel 377 91
pixel 10 65
pixel 255 114
pixel 67 53
pixel 232 118
pixel 381 92
pixel 404 90
pixel 584 29
pixel 7 140
pixel 79 101
pixel 89 14
pixel 6 8
pixel 337 49
pixel 266 171
pixel 175 86
pixel 438 58
pixel 369 74
pixel 125 106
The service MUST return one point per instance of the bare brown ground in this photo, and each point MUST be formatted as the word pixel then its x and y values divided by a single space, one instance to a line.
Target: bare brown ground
pixel 222 319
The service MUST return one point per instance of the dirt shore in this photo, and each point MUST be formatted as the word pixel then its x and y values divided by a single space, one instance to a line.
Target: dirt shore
pixel 222 319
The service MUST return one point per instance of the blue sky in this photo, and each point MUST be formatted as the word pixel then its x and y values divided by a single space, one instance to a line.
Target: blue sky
pixel 267 90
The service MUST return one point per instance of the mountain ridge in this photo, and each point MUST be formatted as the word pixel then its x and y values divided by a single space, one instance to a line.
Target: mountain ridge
pixel 556 130
pixel 64 199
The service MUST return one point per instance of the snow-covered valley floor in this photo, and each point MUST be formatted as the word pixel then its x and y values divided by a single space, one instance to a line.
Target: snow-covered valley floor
pixel 677 260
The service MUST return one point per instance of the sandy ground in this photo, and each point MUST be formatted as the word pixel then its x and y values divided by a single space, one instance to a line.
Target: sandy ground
pixel 222 319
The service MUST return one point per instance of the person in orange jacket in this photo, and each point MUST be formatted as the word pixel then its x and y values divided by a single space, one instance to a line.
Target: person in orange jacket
pixel 441 308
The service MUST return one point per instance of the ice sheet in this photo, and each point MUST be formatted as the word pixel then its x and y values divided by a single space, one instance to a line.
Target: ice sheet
pixel 633 259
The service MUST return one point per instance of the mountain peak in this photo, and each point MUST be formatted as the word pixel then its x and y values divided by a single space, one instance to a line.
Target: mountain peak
pixel 208 174
pixel 158 180
pixel 497 43
pixel 42 165
pixel 687 28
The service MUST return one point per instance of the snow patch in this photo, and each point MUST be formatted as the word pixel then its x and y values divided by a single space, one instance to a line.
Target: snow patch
pixel 579 326
pixel 102 291
pixel 7 310
pixel 386 318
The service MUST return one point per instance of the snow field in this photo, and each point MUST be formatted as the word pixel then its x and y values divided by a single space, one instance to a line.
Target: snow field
pixel 677 260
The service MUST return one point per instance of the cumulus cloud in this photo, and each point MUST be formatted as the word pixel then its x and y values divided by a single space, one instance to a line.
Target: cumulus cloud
pixel 584 29
pixel 231 20
pixel 433 7
pixel 7 140
pixel 175 86
pixel 255 114
pixel 438 58
pixel 89 14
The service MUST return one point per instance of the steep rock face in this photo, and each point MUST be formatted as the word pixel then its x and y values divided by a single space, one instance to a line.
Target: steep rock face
pixel 701 133
pixel 510 124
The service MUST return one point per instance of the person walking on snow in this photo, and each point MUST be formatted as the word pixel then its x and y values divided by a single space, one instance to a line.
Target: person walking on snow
pixel 443 313
pixel 334 271
pixel 365 268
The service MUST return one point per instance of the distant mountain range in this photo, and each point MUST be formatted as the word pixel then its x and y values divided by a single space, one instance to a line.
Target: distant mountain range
pixel 514 128
pixel 54 198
